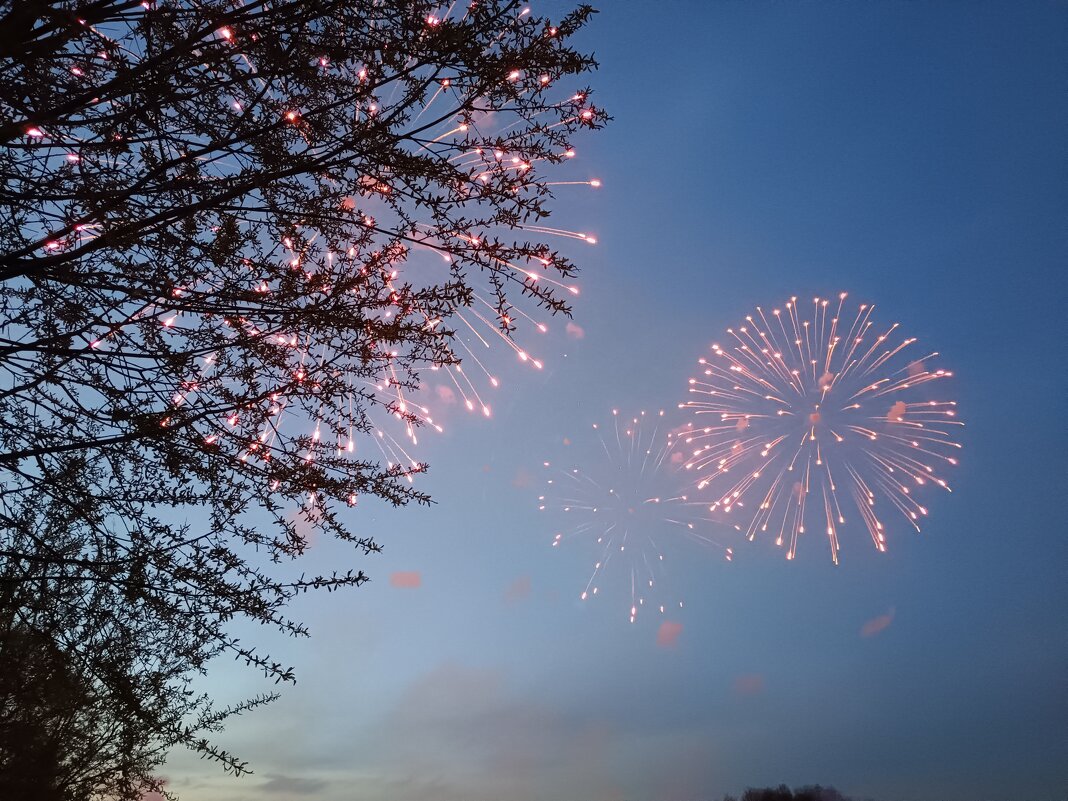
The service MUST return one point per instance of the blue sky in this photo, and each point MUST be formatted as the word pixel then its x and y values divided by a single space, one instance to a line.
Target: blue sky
pixel 909 153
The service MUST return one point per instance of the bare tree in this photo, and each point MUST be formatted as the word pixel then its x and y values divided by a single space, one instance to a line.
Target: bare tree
pixel 233 236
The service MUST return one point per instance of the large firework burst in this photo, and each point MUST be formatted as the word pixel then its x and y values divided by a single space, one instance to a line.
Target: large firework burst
pixel 632 502
pixel 805 415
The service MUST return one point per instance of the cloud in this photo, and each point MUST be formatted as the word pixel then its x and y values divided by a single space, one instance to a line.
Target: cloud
pixel 464 734
pixel 668 634
pixel 452 732
pixel 518 590
pixel 877 624
pixel 575 331
pixel 749 684
pixel 291 785
pixel 522 479
pixel 406 579
pixel 304 522
pixel 897 411
pixel 445 394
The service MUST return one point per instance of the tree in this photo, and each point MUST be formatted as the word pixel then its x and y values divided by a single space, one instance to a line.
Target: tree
pixel 94 674
pixel 233 238
pixel 783 793
pixel 780 793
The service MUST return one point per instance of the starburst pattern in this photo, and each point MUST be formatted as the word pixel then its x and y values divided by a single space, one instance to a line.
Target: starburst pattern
pixel 806 415
pixel 631 501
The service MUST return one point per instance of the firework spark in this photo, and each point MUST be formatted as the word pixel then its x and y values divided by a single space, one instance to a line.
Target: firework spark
pixel 806 415
pixel 630 502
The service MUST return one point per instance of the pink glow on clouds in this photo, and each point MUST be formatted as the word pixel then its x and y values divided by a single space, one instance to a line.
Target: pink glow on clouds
pixel 304 520
pixel 668 634
pixel 522 479
pixel 877 624
pixel 406 579
pixel 445 394
pixel 153 795
pixel 575 331
pixel 518 590
pixel 749 684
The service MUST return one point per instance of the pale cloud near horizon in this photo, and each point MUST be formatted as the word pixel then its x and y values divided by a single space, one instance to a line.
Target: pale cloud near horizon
pixel 456 732
pixel 291 785
pixel 463 734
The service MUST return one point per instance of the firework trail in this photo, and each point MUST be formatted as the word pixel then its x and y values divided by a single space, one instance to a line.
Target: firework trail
pixel 483 146
pixel 630 502
pixel 806 415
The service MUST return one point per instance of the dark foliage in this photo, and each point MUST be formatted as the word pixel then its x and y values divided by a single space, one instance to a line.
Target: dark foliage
pixel 784 793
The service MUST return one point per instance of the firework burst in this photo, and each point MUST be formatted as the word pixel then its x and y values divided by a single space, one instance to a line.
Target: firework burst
pixel 809 416
pixel 631 502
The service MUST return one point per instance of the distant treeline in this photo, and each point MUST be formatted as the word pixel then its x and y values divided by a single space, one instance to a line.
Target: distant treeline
pixel 784 793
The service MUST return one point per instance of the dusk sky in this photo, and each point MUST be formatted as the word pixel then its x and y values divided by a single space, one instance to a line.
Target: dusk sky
pixel 911 154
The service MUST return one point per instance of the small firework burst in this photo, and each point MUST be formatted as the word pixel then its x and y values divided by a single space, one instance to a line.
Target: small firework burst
pixel 631 502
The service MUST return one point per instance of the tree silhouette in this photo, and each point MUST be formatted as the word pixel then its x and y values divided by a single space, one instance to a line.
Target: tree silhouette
pixel 94 678
pixel 233 235
pixel 784 793
pixel 93 691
